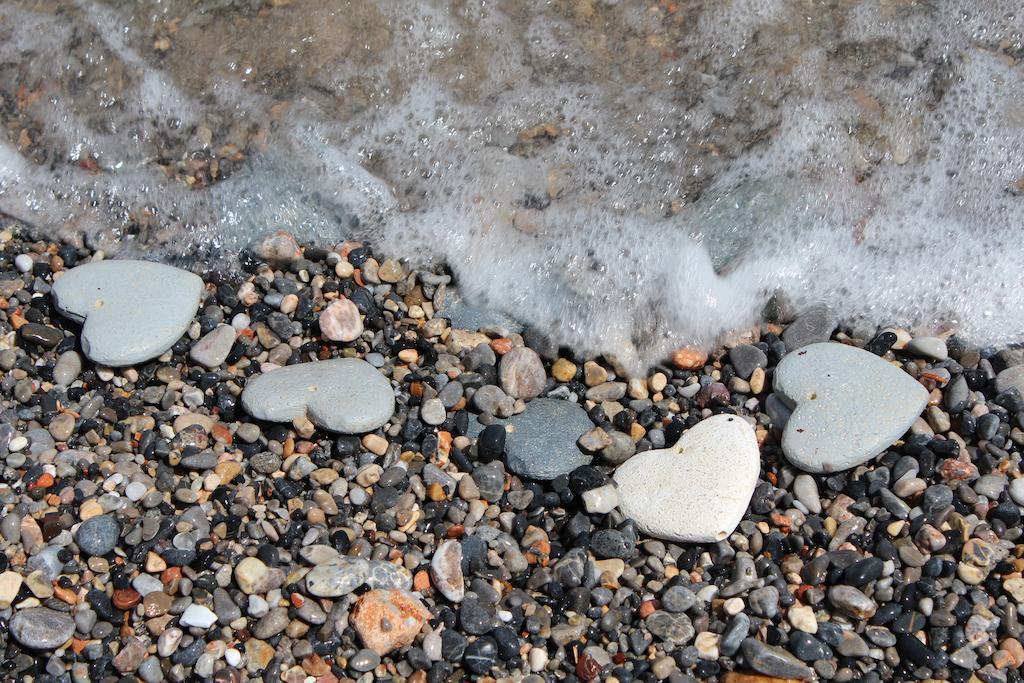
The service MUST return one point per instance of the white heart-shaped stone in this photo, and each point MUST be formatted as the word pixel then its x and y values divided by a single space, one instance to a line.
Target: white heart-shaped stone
pixel 697 490
pixel 346 395
pixel 131 311
pixel 848 405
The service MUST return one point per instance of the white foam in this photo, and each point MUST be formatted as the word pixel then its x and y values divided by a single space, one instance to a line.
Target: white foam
pixel 865 154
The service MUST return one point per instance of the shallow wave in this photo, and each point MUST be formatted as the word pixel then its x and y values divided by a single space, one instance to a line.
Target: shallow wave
pixel 628 178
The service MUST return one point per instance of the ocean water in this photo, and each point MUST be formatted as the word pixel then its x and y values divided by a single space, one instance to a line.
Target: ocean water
pixel 628 177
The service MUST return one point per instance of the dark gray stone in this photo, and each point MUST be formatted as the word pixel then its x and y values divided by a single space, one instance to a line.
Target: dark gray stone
pixel 747 358
pixel 773 661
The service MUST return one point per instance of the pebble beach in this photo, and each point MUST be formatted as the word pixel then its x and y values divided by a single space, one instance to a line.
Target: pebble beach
pixel 325 466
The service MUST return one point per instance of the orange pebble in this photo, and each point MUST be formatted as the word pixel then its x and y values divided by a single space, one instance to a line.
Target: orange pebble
pixel 689 359
pixel 44 481
pixel 647 608
pixel 421 581
pixel 126 598
pixel 65 595
pixel 444 442
pixel 501 346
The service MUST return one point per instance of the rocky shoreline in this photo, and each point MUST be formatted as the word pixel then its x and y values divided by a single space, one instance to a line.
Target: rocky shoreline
pixel 330 468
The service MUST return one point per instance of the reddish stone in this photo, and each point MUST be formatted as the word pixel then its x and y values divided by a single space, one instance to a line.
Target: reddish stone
pixel 126 598
pixel 388 619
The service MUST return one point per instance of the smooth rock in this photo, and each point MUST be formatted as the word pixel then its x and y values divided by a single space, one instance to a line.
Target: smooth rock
pixel 521 373
pixel 1009 378
pixel 541 441
pixel 746 358
pixel 850 601
pixel 698 490
pixel 465 316
pixel 131 311
pixel 446 570
pixel 848 406
pixel 213 349
pixel 433 412
pixel 67 369
pixel 250 572
pixel 346 395
pixel 773 661
pixel 932 348
pixel 601 500
pixel 812 326
pixel 341 321
pixel 337 577
pixel 98 535
pixel 41 628
pixel 806 491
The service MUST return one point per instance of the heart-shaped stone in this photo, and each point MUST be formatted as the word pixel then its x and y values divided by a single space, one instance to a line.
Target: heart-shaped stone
pixel 697 490
pixel 346 395
pixel 131 311
pixel 848 405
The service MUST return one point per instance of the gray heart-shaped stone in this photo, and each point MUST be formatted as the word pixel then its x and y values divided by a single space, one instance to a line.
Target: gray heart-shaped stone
pixel 848 405
pixel 346 395
pixel 131 311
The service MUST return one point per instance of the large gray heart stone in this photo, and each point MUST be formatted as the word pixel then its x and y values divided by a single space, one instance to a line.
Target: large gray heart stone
pixel 131 311
pixel 848 405
pixel 345 395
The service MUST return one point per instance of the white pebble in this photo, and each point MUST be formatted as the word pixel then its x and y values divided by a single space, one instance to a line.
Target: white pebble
pixel 258 607
pixel 232 656
pixel 601 500
pixel 197 615
pixel 17 443
pixel 240 321
pixel 135 491
pixel 538 659
pixel 23 262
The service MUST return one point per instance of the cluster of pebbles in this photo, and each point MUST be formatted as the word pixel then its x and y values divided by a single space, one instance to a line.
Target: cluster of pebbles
pixel 327 467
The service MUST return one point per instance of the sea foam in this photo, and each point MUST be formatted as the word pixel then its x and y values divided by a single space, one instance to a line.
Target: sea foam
pixel 628 178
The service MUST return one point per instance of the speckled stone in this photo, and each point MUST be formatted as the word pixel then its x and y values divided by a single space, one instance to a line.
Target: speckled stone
pixel 698 490
pixel 131 311
pixel 41 628
pixel 337 577
pixel 849 406
pixel 346 395
pixel 98 535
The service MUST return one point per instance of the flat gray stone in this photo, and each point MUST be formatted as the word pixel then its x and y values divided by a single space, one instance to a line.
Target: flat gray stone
pixel 698 490
pixel 747 358
pixel 42 628
pixel 932 348
pixel 774 661
pixel 1009 378
pixel 849 405
pixel 465 316
pixel 813 325
pixel 345 395
pixel 541 441
pixel 131 311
